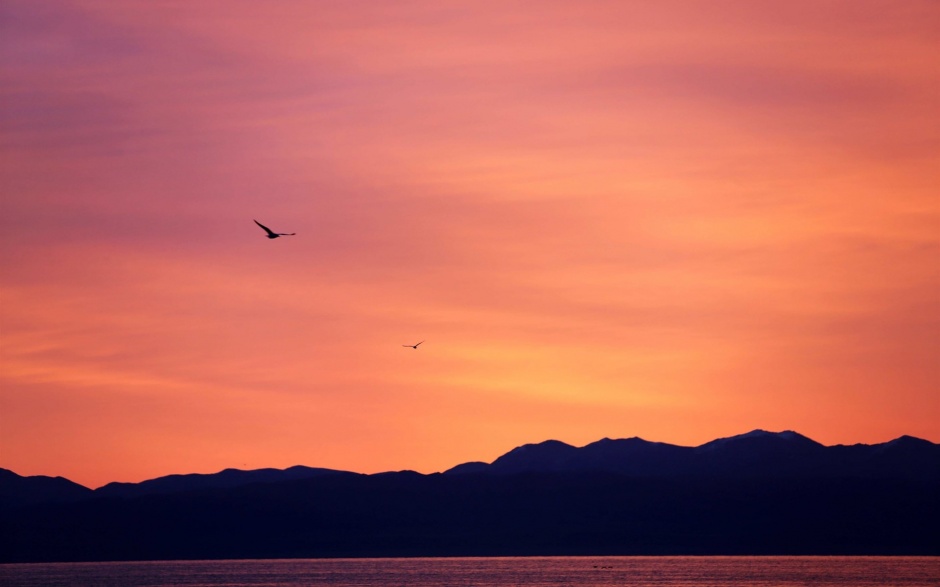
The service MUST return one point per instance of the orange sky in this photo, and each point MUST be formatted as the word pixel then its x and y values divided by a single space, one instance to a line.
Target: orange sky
pixel 677 220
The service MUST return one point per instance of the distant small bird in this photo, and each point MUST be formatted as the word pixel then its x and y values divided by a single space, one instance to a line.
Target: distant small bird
pixel 271 233
pixel 412 346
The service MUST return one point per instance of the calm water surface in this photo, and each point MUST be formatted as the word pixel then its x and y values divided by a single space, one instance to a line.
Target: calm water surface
pixel 479 572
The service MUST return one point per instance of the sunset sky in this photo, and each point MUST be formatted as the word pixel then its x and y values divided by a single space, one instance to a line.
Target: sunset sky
pixel 677 220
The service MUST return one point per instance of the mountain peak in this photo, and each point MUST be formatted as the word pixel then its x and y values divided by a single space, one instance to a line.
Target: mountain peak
pixel 555 444
pixel 908 442
pixel 763 436
pixel 468 468
pixel 550 455
pixel 545 448
pixel 761 433
pixel 224 479
pixel 18 490
pixel 608 441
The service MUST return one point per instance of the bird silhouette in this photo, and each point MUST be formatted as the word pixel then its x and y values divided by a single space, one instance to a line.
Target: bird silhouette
pixel 412 346
pixel 271 233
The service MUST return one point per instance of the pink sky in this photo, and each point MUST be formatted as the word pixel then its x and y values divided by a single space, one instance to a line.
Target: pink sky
pixel 674 220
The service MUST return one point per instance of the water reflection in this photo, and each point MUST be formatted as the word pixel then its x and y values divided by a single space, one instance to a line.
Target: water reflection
pixel 485 572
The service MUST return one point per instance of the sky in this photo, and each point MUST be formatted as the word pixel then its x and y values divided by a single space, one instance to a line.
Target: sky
pixel 676 220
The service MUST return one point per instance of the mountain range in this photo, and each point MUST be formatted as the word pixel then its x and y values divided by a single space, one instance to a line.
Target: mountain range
pixel 755 493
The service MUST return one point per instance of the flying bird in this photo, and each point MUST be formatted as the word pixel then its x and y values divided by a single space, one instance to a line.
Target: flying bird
pixel 271 233
pixel 412 346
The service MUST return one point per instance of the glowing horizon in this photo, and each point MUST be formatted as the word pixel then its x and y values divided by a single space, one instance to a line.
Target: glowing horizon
pixel 677 221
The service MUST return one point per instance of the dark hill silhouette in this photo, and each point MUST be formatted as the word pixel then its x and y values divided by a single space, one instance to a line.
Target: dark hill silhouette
pixel 225 479
pixel 407 514
pixel 469 468
pixel 17 490
pixel 762 453
pixel 551 455
pixel 633 456
pixel 756 453
pixel 756 493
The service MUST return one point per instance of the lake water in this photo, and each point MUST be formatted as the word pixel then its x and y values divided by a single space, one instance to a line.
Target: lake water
pixel 480 572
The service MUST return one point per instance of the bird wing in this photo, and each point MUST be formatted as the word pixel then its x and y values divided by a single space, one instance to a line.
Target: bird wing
pixel 266 229
pixel 418 343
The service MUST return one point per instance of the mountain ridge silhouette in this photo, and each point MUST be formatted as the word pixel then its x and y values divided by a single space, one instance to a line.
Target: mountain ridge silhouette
pixel 757 452
pixel 755 494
